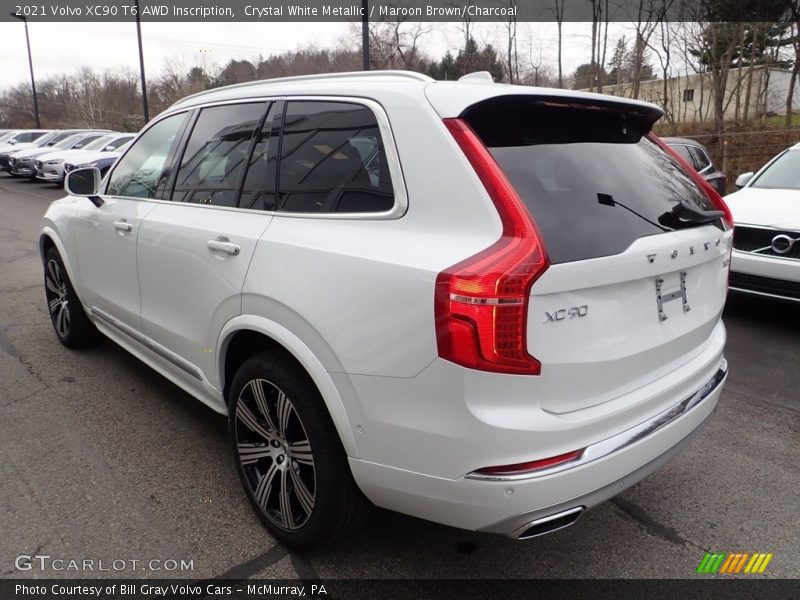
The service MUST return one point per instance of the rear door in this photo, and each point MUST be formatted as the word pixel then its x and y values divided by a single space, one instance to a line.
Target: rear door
pixel 194 252
pixel 636 283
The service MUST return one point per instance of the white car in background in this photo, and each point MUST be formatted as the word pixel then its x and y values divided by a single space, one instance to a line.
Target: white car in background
pixel 88 157
pixel 101 164
pixel 22 163
pixel 50 166
pixel 48 140
pixel 21 138
pixel 14 141
pixel 766 238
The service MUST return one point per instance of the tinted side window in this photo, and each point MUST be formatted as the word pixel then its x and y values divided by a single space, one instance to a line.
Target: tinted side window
pixel 139 173
pixel 332 159
pixel 701 160
pixel 685 154
pixel 258 191
pixel 214 161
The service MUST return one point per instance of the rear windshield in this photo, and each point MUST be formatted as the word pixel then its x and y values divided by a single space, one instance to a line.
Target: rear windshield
pixel 590 179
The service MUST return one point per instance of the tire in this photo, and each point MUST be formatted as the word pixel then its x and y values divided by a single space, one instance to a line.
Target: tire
pixel 73 328
pixel 288 455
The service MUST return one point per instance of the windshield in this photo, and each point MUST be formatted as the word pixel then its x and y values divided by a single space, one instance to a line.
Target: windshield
pixel 60 136
pixel 68 141
pixel 99 143
pixel 783 174
pixel 45 139
pixel 120 141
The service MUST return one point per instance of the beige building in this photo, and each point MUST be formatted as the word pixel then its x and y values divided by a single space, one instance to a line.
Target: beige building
pixel 750 93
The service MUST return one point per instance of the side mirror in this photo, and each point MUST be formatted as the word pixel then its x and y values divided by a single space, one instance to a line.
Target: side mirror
pixel 743 179
pixel 12 142
pixel 108 149
pixel 84 183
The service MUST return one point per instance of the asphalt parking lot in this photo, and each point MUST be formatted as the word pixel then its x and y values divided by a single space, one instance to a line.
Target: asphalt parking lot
pixel 101 458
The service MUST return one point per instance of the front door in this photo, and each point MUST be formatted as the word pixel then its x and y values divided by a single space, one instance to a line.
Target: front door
pixel 194 252
pixel 106 236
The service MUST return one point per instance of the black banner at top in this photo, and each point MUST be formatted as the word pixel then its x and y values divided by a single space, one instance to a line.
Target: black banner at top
pixel 266 11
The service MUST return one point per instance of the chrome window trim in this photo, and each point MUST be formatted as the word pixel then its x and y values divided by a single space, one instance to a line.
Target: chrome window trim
pixel 624 439
pixel 764 294
pixel 390 147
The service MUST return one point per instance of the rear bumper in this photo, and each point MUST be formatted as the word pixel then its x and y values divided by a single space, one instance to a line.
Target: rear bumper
pixel 510 507
pixel 766 276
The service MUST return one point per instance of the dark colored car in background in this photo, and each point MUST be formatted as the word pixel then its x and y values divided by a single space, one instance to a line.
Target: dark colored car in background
pixel 698 156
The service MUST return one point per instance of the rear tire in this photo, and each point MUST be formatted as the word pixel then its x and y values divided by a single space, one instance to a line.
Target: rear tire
pixel 73 328
pixel 288 454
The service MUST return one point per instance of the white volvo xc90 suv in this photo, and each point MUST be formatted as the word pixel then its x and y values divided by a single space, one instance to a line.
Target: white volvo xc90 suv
pixel 484 305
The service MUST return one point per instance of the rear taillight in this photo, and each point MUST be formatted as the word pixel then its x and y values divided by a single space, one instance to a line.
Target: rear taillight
pixel 708 189
pixel 481 303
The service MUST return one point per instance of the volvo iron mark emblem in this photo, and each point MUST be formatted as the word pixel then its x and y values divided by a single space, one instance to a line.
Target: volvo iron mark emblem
pixel 782 244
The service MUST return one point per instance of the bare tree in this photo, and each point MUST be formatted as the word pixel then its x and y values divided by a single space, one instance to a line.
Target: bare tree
pixel 664 54
pixel 512 56
pixel 795 42
pixel 395 44
pixel 649 13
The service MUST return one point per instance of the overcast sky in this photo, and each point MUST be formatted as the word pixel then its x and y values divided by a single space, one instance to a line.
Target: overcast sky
pixel 64 47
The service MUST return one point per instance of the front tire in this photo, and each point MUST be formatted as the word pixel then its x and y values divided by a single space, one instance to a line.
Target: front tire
pixel 72 326
pixel 288 455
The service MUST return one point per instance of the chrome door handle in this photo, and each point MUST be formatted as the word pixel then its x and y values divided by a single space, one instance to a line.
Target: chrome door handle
pixel 224 246
pixel 123 226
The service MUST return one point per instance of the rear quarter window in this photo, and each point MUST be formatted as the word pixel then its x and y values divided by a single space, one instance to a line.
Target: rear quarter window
pixel 332 160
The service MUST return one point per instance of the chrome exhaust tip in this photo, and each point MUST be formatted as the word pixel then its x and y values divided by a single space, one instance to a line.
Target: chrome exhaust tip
pixel 550 523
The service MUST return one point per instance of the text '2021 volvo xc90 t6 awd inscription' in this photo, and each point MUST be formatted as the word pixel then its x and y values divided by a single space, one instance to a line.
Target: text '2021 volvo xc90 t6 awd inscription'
pixel 484 305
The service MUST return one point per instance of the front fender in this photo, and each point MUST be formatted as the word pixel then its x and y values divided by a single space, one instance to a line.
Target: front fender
pixel 49 231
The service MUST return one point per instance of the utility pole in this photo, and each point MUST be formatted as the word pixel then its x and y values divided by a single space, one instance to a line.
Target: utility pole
pixel 141 65
pixel 365 35
pixel 30 66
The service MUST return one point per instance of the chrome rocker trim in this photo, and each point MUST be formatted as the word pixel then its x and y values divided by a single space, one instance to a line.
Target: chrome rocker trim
pixel 145 341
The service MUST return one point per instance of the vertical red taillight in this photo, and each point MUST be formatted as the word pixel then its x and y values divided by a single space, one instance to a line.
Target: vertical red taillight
pixel 481 303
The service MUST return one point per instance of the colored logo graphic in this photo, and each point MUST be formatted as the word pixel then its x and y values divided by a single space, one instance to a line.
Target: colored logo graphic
pixel 732 563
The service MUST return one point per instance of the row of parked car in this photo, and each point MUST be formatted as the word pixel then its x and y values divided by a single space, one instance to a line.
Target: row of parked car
pixel 47 155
